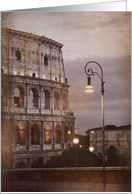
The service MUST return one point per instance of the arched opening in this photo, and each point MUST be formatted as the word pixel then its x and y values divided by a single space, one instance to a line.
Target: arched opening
pixel 99 155
pixel 18 55
pixel 34 98
pixel 35 135
pixel 20 135
pixel 35 164
pixel 46 60
pixel 112 158
pixel 20 165
pixel 46 99
pixel 64 104
pixel 47 134
pixel 56 100
pixel 65 134
pixel 58 134
pixel 18 97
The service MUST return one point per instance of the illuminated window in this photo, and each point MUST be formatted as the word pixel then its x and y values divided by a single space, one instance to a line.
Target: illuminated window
pixel 20 135
pixel 47 134
pixel 58 134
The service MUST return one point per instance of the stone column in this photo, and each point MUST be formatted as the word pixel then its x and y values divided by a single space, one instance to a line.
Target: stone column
pixel 52 100
pixel 42 59
pixel 60 101
pixel 40 99
pixel 41 137
pixel 26 55
pixel 62 135
pixel 50 63
pixel 27 138
pixel 60 68
pixel 53 135
pixel 26 103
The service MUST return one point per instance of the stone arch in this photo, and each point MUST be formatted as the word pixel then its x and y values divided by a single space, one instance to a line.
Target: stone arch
pixel 20 165
pixel 112 155
pixel 65 134
pixel 35 135
pixel 34 97
pixel 46 99
pixel 47 134
pixel 34 164
pixel 18 96
pixel 56 100
pixel 99 155
pixel 46 60
pixel 20 135
pixel 18 54
pixel 112 148
pixel 58 134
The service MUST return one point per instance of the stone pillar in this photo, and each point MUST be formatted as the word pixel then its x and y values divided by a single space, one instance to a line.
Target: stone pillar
pixel 52 100
pixel 26 55
pixel 60 101
pixel 38 64
pixel 60 66
pixel 27 138
pixel 26 103
pixel 40 99
pixel 41 137
pixel 53 135
pixel 50 63
pixel 42 59
pixel 62 138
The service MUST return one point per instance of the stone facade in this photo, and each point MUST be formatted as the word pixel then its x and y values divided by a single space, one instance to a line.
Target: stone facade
pixel 34 99
pixel 117 138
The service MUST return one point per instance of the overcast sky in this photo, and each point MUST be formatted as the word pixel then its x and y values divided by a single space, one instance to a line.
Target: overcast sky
pixel 104 37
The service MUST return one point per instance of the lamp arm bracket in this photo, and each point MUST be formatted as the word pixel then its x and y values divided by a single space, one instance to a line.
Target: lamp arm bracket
pixel 90 72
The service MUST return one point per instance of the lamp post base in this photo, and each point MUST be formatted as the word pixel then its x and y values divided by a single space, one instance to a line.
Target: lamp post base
pixel 104 185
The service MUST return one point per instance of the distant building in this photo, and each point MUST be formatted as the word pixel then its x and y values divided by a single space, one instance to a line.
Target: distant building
pixel 34 100
pixel 116 138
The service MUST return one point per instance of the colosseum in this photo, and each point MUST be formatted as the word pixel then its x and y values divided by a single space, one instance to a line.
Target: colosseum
pixel 36 120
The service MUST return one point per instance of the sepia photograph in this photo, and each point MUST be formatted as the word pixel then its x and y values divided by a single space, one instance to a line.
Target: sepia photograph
pixel 65 101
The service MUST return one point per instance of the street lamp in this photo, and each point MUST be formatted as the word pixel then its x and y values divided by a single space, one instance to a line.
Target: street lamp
pixel 91 149
pixel 89 89
pixel 76 141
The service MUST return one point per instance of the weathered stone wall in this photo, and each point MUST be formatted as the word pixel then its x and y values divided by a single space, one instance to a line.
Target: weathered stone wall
pixel 32 73
pixel 119 137
pixel 87 179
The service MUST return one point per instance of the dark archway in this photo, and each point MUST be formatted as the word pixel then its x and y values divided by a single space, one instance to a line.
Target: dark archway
pixel 20 165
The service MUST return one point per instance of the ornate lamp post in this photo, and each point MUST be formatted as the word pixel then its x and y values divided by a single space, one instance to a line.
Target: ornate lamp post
pixel 89 89
pixel 76 141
